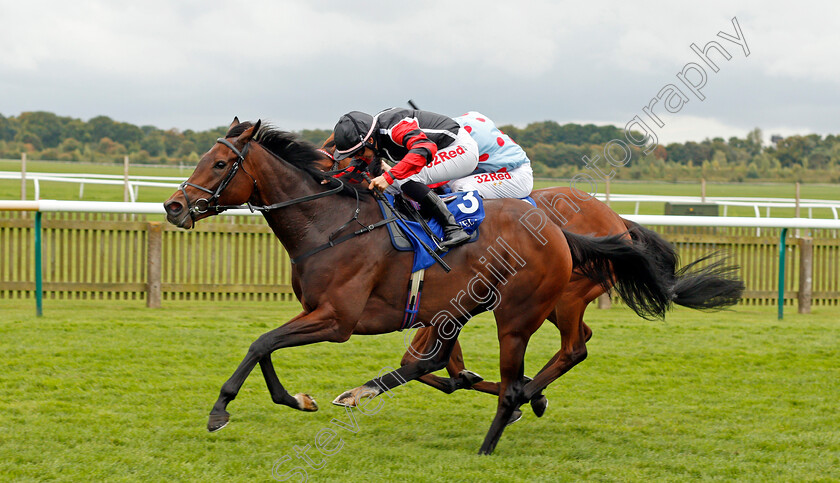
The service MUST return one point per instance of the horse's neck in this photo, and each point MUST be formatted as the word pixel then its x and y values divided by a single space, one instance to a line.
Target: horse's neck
pixel 303 226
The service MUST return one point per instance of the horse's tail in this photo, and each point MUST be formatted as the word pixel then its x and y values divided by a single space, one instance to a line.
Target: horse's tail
pixel 614 261
pixel 715 286
pixel 659 248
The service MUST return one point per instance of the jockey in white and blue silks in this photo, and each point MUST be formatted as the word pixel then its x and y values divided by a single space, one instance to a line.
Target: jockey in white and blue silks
pixel 504 170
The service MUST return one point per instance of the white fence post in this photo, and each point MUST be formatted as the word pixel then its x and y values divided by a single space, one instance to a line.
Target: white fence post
pixel 126 191
pixel 23 176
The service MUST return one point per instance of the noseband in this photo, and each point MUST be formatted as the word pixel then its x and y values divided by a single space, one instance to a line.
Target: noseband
pixel 203 205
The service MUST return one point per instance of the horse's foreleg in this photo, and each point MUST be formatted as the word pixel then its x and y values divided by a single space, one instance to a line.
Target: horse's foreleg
pixel 279 395
pixel 463 378
pixel 317 326
pixel 219 417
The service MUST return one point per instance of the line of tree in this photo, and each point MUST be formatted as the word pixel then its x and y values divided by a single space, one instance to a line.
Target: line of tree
pixel 556 150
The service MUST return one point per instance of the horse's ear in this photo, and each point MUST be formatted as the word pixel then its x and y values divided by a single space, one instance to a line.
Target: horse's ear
pixel 250 132
pixel 234 123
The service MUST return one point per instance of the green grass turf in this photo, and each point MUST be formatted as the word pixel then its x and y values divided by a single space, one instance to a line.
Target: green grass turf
pixel 101 390
pixel 95 168
pixel 10 189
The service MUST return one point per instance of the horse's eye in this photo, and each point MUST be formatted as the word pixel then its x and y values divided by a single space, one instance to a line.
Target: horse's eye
pixel 220 165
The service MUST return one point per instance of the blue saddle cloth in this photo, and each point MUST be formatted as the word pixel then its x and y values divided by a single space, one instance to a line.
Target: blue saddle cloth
pixel 468 208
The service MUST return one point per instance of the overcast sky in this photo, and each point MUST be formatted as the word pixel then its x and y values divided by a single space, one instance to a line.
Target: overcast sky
pixel 194 64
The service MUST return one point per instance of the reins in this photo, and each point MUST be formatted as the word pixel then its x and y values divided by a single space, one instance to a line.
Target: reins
pixel 203 205
pixel 335 241
pixel 210 203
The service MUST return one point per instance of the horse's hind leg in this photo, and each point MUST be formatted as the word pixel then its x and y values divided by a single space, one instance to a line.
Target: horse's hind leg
pixel 567 316
pixel 459 376
pixel 433 357
pixel 573 336
pixel 587 332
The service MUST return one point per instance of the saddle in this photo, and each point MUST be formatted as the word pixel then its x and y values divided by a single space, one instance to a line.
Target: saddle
pixel 467 207
pixel 410 210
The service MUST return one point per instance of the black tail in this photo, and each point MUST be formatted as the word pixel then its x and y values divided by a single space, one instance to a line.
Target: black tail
pixel 613 261
pixel 715 286
pixel 658 248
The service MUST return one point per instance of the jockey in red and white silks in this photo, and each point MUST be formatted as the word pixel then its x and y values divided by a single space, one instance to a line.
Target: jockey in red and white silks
pixel 504 170
pixel 428 148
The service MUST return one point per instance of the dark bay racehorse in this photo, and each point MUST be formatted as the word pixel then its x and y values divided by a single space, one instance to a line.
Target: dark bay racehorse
pixel 714 286
pixel 357 287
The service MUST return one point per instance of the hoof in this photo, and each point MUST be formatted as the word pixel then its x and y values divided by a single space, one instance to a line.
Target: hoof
pixel 538 404
pixel 516 416
pixel 218 421
pixel 345 399
pixel 305 402
pixel 487 450
pixel 352 397
pixel 469 378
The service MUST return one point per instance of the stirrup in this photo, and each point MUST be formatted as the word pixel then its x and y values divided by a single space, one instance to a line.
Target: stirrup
pixel 455 239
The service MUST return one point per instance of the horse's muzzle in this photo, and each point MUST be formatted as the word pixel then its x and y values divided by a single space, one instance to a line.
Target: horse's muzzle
pixel 178 214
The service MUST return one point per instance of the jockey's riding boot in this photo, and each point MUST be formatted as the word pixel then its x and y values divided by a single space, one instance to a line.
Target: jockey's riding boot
pixel 453 233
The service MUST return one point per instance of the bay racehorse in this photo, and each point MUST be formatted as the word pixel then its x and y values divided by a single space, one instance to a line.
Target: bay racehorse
pixel 710 287
pixel 357 287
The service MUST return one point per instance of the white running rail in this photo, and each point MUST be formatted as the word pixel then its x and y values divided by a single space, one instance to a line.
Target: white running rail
pixel 135 182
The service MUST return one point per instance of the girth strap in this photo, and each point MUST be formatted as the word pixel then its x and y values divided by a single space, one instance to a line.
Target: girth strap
pixel 412 303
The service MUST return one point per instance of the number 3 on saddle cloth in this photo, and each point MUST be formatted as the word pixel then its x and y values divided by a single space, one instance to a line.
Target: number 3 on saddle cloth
pixel 466 206
pixel 468 209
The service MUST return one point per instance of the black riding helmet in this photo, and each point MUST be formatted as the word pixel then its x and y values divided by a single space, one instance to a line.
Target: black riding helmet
pixel 352 134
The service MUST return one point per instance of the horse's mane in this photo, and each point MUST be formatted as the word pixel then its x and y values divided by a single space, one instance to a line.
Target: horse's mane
pixel 292 149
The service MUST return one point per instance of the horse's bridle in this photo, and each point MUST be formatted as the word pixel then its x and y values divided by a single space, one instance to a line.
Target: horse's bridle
pixel 203 205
